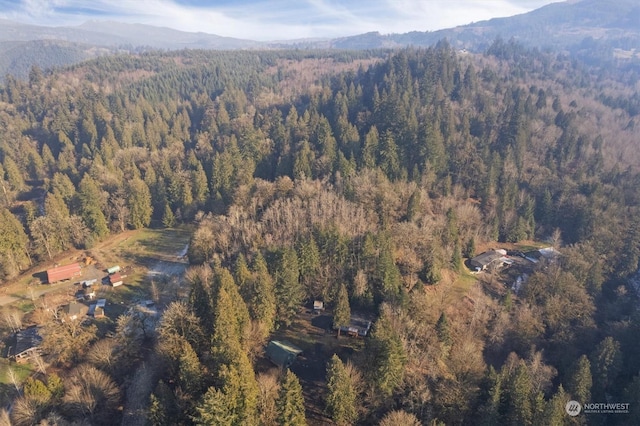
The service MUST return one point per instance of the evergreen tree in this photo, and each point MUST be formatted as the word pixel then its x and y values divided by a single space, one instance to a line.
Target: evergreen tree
pixel 235 311
pixel 157 415
pixel 239 392
pixel 262 303
pixel 200 298
pixel 341 396
pixel 470 248
pixel 168 218
pixel 389 156
pixel 579 386
pixel 519 409
pixel 163 408
pixel 13 175
pixel 61 185
pixel 200 185
pixel 508 300
pixel 370 148
pixel 451 232
pixel 342 311
pixel 290 403
pixel 235 379
pixel 13 245
pixel 538 407
pixel 456 257
pixel 413 207
pixel 226 331
pixel 606 362
pixel 190 371
pixel 491 411
pixel 555 412
pixel 442 328
pixel 216 409
pixel 289 291
pixel 305 158
pixel 309 263
pixel 140 209
pixel 91 207
pixel 243 277
pixel 387 356
pixel 388 274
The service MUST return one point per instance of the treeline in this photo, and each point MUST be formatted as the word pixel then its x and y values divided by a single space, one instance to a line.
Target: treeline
pixel 370 183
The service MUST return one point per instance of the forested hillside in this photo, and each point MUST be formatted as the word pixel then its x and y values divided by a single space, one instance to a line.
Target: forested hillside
pixel 363 179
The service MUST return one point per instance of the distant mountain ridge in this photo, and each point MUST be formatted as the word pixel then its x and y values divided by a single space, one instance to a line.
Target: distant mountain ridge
pixel 164 38
pixel 557 25
pixel 113 34
pixel 594 30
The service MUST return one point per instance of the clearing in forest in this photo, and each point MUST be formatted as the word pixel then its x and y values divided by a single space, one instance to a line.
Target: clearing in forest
pixel 144 255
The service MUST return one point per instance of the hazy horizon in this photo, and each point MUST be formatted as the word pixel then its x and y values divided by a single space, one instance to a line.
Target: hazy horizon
pixel 270 20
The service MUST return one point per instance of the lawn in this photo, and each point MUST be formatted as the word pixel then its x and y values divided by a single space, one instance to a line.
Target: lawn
pixel 461 286
pixel 22 371
pixel 138 253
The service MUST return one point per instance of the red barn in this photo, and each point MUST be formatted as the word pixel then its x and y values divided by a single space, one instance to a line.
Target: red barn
pixel 63 273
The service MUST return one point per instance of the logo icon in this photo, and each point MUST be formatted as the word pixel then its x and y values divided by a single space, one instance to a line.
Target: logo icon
pixel 573 408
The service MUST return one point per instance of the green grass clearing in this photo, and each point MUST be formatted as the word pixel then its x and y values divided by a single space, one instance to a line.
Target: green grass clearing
pixel 137 252
pixel 22 371
pixel 462 285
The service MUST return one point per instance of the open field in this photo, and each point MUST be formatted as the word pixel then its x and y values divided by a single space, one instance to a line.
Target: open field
pixel 145 256
pixel 141 254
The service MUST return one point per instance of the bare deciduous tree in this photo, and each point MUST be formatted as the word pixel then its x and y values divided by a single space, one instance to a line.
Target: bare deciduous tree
pixel 39 362
pixel 12 319
pixel 91 396
pixel 269 386
pixel 25 411
pixel 13 377
pixel 66 339
pixel 5 420
pixel 103 354
pixel 399 417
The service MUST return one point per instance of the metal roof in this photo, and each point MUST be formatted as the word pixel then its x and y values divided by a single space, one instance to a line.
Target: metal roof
pixel 63 272
pixel 282 353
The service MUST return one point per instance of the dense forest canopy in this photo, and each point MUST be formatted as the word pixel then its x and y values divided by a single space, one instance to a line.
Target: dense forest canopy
pixel 363 179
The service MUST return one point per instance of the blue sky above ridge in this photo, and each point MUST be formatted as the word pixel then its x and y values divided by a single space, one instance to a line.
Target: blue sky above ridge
pixel 270 20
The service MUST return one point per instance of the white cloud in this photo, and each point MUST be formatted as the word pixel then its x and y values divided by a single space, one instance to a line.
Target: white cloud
pixel 270 20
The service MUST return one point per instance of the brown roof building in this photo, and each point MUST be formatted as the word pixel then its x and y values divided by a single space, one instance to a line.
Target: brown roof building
pixel 65 272
pixel 115 279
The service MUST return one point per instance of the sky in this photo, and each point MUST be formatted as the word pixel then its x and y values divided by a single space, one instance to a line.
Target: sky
pixel 270 19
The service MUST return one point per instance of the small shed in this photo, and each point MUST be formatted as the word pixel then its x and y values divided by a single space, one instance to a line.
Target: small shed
pixel 113 269
pixel 318 305
pixel 96 311
pixel 282 353
pixel 115 279
pixel 101 303
pixel 65 272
